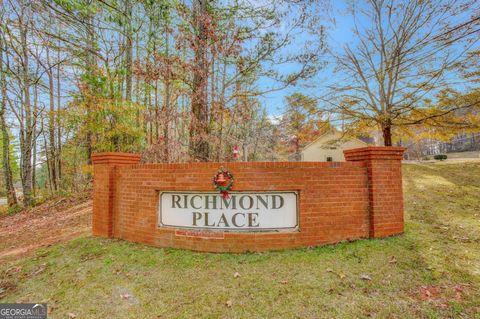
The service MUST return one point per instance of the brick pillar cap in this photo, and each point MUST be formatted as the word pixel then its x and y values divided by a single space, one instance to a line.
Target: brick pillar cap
pixel 374 153
pixel 113 158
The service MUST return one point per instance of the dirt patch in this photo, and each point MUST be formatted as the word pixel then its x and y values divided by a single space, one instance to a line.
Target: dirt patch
pixel 52 222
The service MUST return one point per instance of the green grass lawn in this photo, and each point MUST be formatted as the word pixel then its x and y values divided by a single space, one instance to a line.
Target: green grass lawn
pixel 432 271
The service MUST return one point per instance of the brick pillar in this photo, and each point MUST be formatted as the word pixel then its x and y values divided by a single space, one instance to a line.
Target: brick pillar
pixel 384 169
pixel 103 189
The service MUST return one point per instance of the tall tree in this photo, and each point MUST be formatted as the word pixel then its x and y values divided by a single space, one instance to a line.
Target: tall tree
pixel 177 80
pixel 7 170
pixel 128 33
pixel 402 56
pixel 27 130
pixel 199 123
pixel 302 122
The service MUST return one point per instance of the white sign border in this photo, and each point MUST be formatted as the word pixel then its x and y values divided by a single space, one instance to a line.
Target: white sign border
pixel 295 228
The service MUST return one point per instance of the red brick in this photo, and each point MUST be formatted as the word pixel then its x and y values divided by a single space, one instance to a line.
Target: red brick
pixel 356 199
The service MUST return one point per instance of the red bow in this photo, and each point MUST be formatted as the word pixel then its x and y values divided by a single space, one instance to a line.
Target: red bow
pixel 225 194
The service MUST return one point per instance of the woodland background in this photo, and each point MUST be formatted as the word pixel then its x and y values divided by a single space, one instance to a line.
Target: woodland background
pixel 179 81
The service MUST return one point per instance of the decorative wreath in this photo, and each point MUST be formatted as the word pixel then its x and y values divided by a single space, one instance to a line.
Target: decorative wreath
pixel 225 186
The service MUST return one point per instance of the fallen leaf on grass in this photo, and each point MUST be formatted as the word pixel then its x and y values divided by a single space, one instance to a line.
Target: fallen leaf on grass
pixel 427 293
pixel 392 260
pixel 365 277
pixel 38 271
pixel 458 291
pixel 229 303
pixel 341 275
pixel 125 296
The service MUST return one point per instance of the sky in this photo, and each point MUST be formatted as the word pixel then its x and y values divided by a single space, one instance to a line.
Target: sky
pixel 339 34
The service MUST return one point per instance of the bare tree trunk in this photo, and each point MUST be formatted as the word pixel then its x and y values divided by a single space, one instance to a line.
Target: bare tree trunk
pixel 26 166
pixel 387 133
pixel 167 98
pixel 48 162
pixel 199 124
pixel 7 170
pixel 91 66
pixel 148 123
pixel 213 105
pixel 128 51
pixel 157 114
pixel 59 129
pixel 51 126
pixel 221 110
pixel 137 83
pixel 34 142
pixel 245 152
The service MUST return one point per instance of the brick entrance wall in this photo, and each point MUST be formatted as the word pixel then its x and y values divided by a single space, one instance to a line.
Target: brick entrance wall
pixel 360 198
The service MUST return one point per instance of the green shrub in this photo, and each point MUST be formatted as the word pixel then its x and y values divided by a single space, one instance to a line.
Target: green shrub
pixel 15 209
pixel 440 157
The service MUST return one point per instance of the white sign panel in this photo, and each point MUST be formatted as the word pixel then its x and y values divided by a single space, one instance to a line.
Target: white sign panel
pixel 242 211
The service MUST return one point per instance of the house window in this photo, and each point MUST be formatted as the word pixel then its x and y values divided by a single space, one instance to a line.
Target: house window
pixel 329 159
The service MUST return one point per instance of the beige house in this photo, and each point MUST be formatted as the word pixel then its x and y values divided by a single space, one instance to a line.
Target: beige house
pixel 329 147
